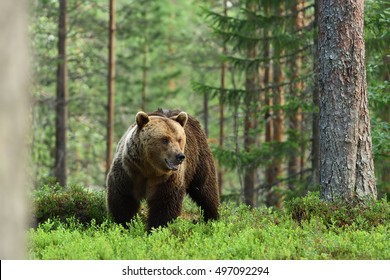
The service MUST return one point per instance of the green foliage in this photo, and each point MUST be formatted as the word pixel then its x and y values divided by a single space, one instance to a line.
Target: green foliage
pixel 264 155
pixel 377 36
pixel 257 37
pixel 335 215
pixel 241 233
pixel 53 202
pixel 171 41
pixel 162 32
pixel 377 23
pixel 381 138
pixel 87 81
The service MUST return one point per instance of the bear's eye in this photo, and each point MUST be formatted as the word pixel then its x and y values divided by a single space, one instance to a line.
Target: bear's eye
pixel 165 140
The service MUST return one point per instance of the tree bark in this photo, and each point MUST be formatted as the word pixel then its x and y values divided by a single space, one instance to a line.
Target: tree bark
pixel 14 110
pixel 171 51
pixel 249 123
pixel 111 86
pixel 346 163
pixel 270 174
pixel 315 147
pixel 206 112
pixel 295 162
pixel 145 52
pixel 276 198
pixel 62 99
pixel 222 106
pixel 144 76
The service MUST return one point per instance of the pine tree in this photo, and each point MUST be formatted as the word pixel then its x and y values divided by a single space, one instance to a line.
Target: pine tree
pixel 60 170
pixel 111 86
pixel 256 35
pixel 346 163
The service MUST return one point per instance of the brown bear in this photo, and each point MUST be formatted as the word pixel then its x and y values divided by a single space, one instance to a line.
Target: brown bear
pixel 160 158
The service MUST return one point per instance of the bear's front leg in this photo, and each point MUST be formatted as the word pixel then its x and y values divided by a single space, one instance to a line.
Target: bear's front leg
pixel 121 203
pixel 165 205
pixel 122 208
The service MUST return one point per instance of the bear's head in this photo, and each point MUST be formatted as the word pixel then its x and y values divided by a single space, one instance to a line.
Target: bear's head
pixel 162 141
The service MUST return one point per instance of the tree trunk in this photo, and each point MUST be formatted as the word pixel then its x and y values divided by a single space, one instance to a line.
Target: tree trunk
pixel 249 141
pixel 14 111
pixel 315 147
pixel 144 76
pixel 145 51
pixel 346 163
pixel 171 51
pixel 62 99
pixel 295 164
pixel 270 174
pixel 111 86
pixel 206 112
pixel 222 106
pixel 275 198
pixel 385 116
pixel 249 123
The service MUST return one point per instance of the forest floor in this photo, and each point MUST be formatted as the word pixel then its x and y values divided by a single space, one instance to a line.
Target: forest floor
pixel 305 229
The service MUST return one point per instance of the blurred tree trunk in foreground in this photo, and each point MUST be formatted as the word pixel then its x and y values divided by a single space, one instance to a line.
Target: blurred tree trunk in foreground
pixel 14 110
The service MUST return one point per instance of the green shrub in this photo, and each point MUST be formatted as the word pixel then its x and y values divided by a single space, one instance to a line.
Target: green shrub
pixel 340 214
pixel 240 233
pixel 307 229
pixel 55 202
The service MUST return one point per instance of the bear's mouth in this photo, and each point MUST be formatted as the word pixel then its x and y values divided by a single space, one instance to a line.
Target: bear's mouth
pixel 171 166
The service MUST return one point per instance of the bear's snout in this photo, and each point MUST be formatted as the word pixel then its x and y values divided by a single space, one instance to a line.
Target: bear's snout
pixel 180 157
pixel 173 162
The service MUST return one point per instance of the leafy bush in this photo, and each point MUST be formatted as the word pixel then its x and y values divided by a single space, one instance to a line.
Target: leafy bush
pixel 339 214
pixel 240 233
pixel 56 202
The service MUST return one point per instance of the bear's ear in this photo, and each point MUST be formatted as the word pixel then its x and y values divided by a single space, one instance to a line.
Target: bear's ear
pixel 141 119
pixel 181 118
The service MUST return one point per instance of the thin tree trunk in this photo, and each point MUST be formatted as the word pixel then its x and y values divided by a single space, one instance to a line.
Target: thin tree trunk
pixel 205 105
pixel 270 174
pixel 385 116
pixel 171 82
pixel 249 141
pixel 249 124
pixel 145 50
pixel 14 111
pixel 206 112
pixel 144 77
pixel 222 106
pixel 346 163
pixel 275 198
pixel 315 148
pixel 62 99
pixel 111 86
pixel 295 124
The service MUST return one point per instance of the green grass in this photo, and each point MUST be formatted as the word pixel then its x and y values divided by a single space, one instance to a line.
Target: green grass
pixel 241 233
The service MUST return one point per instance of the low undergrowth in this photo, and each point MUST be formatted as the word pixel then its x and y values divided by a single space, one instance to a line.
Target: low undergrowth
pixel 306 229
pixel 51 201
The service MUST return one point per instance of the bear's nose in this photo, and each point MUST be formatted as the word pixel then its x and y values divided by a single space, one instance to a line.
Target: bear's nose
pixel 180 157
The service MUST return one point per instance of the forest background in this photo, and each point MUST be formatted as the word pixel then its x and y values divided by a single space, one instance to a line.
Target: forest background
pixel 245 69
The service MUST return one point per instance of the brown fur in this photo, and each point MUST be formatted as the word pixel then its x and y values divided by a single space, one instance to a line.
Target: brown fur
pixel 149 165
